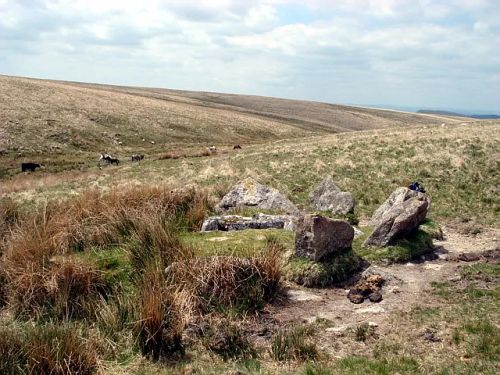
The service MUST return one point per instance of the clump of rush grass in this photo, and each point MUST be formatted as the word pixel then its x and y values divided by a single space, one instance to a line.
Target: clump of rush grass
pixel 92 220
pixel 10 216
pixel 163 312
pixel 227 283
pixel 152 241
pixel 294 344
pixel 46 349
pixel 66 290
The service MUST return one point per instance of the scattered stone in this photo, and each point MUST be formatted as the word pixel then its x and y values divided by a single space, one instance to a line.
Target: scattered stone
pixel 328 197
pixel 492 256
pixel 368 287
pixel 298 295
pixel 434 267
pixel 355 296
pixel 250 194
pixel 317 237
pixel 258 221
pixel 399 215
pixel 375 309
pixel 388 277
pixel 375 297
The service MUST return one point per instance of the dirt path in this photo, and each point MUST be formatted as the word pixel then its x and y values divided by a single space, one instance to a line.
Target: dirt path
pixel 406 285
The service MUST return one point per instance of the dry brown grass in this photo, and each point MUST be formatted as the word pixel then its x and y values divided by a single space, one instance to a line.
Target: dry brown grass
pixel 163 313
pixel 37 283
pixel 227 283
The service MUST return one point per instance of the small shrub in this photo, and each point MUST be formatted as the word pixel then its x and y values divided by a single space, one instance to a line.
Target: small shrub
pixel 293 344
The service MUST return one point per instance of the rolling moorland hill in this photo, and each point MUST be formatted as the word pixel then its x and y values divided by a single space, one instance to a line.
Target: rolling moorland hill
pixel 38 116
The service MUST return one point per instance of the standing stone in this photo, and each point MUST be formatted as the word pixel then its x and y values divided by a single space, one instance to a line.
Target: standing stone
pixel 317 237
pixel 399 215
pixel 328 197
pixel 250 194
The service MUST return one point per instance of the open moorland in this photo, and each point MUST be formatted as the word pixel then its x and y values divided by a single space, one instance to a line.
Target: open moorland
pixel 103 269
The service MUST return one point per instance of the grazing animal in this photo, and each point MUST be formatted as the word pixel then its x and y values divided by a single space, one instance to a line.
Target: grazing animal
pixel 29 167
pixel 237 147
pixel 137 157
pixel 212 149
pixel 109 159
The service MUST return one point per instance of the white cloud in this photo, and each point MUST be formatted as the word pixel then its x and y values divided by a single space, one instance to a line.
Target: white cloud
pixel 344 51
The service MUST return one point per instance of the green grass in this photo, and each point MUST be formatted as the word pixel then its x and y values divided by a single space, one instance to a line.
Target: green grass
pixel 244 243
pixel 305 272
pixel 411 247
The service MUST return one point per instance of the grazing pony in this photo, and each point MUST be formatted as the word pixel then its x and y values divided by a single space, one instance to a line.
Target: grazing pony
pixel 29 167
pixel 109 159
pixel 237 147
pixel 137 157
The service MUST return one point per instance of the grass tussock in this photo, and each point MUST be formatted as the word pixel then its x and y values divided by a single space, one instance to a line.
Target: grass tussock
pixel 305 272
pixel 46 349
pixel 67 290
pixel 294 344
pixel 163 313
pixel 227 283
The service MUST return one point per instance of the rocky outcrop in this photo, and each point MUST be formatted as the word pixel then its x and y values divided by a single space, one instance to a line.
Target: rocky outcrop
pixel 259 221
pixel 328 197
pixel 318 237
pixel 250 194
pixel 399 215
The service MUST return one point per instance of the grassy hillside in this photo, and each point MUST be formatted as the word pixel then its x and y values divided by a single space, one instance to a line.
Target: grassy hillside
pixel 73 122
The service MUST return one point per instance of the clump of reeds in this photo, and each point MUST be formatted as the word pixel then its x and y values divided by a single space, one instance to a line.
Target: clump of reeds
pixel 46 349
pixel 163 312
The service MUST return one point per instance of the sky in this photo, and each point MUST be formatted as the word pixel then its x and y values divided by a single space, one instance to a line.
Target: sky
pixel 393 53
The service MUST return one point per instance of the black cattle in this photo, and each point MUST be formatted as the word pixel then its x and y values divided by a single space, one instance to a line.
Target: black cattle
pixel 237 147
pixel 113 161
pixel 137 157
pixel 29 167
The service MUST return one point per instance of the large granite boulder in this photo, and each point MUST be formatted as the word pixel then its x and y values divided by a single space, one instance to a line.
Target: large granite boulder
pixel 317 237
pixel 328 197
pixel 399 215
pixel 250 194
pixel 259 221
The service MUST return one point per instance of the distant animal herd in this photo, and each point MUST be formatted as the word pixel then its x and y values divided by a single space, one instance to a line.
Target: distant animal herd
pixel 107 159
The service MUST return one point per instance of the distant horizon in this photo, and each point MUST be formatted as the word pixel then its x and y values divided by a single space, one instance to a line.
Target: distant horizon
pixel 404 108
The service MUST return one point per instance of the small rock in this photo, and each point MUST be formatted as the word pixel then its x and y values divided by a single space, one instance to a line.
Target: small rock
pixel 374 309
pixel 355 296
pixel 375 297
pixel 298 295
